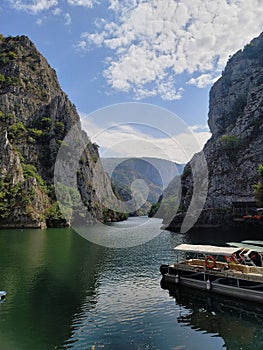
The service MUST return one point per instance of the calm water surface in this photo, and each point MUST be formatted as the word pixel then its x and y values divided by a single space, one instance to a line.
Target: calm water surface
pixel 67 293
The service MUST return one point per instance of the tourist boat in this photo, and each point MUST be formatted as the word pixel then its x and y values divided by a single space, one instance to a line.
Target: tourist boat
pixel 2 295
pixel 233 271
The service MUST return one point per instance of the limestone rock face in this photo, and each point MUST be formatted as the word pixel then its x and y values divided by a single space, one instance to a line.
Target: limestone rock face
pixel 35 117
pixel 235 149
pixel 9 160
pixel 23 202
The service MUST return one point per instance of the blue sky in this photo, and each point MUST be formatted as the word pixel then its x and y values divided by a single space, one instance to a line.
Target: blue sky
pixel 165 53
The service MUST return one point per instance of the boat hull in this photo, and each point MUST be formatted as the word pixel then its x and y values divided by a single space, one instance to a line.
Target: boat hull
pixel 213 286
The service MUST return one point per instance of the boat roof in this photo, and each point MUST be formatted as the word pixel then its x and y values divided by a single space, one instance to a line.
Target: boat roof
pixel 258 243
pixel 206 249
pixel 248 246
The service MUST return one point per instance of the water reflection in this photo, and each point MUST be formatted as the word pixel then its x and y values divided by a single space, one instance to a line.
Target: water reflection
pixel 238 323
pixel 65 292
pixel 48 276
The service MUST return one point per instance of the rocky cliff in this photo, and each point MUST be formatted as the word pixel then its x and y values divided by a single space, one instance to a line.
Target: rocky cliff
pixel 35 116
pixel 235 149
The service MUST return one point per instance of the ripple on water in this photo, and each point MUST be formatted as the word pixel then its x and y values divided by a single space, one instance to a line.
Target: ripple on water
pixel 67 293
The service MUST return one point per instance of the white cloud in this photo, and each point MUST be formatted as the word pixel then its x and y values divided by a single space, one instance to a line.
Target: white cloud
pixel 67 18
pixel 33 6
pixel 81 46
pixel 57 11
pixel 37 6
pixel 168 92
pixel 39 21
pixel 84 3
pixel 153 41
pixel 203 80
pixel 126 140
pixel 95 38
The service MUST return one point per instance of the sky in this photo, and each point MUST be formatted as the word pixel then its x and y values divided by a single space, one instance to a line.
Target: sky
pixel 138 71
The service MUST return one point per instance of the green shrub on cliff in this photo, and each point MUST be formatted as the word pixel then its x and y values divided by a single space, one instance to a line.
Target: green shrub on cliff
pixel 2 79
pixel 154 208
pixel 4 59
pixel 45 123
pixel 258 188
pixel 230 142
pixel 35 133
pixel 12 55
pixel 16 130
pixel 59 127
pixel 12 196
pixel 29 170
pixel 54 213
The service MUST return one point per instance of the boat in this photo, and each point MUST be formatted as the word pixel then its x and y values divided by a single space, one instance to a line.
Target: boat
pixel 232 271
pixel 2 295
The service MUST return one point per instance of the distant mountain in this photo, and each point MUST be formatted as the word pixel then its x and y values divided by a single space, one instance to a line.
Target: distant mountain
pixel 156 172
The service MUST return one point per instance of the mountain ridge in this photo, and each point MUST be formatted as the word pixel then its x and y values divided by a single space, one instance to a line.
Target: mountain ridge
pixel 156 172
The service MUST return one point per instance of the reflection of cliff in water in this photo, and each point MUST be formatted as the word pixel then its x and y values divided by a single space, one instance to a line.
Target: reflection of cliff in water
pixel 218 236
pixel 48 275
pixel 240 324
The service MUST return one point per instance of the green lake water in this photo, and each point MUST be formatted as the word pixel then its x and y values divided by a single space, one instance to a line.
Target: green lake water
pixel 65 292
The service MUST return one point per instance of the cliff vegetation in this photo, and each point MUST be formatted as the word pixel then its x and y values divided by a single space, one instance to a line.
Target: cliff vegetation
pixel 235 150
pixel 35 116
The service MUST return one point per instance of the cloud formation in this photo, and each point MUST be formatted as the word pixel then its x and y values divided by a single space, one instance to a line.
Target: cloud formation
pixel 38 6
pixel 130 140
pixel 33 6
pixel 67 18
pixel 84 3
pixel 157 47
pixel 155 42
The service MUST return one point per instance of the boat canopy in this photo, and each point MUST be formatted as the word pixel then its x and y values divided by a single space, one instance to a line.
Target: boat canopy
pixel 207 249
pixel 243 245
pixel 256 243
